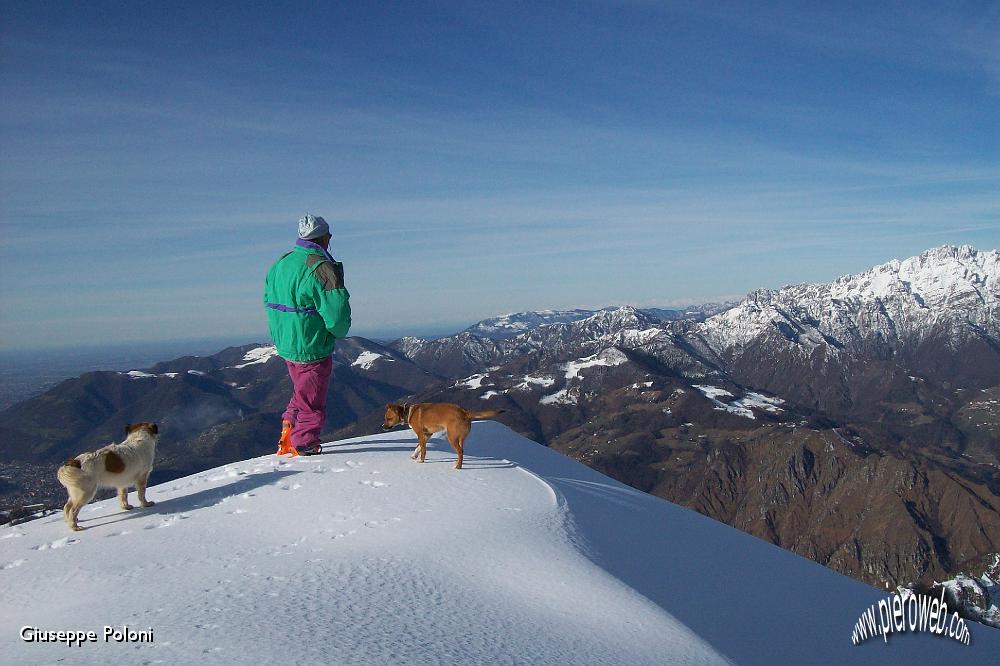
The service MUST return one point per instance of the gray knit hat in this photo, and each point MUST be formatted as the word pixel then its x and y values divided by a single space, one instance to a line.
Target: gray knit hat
pixel 312 227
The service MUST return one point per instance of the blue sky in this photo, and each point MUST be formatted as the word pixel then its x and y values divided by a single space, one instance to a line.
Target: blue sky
pixel 476 158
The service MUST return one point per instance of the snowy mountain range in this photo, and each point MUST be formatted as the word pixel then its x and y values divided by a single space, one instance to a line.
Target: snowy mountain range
pixel 948 297
pixel 360 556
pixel 514 324
pixel 943 301
pixel 856 423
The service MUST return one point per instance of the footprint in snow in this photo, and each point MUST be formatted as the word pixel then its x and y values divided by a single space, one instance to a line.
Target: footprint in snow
pixel 353 465
pixel 341 535
pixel 227 474
pixel 236 512
pixel 167 522
pixel 381 523
pixel 209 627
pixel 373 484
pixel 13 535
pixel 11 565
pixel 58 543
pixel 122 533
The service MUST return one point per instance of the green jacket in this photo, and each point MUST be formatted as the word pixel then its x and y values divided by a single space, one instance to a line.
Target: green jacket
pixel 308 307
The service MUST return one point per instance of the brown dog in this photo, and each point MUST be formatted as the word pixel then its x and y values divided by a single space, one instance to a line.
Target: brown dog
pixel 430 417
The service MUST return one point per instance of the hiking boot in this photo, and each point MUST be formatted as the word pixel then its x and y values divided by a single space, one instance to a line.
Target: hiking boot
pixel 285 441
pixel 309 449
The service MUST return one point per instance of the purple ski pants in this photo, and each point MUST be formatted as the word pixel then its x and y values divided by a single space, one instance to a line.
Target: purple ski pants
pixel 307 408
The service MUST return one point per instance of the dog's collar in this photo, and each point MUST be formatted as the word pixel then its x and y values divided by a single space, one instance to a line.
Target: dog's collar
pixel 407 409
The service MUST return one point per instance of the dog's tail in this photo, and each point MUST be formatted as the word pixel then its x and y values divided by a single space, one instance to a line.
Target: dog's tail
pixel 70 473
pixel 484 414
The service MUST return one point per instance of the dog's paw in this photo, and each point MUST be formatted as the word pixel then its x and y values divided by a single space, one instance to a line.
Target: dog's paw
pixel 148 504
pixel 76 528
pixel 127 507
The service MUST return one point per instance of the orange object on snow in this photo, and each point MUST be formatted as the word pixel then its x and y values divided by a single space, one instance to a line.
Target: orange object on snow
pixel 285 441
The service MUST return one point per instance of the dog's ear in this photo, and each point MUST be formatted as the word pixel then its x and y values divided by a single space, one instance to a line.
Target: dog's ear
pixel 155 429
pixel 128 429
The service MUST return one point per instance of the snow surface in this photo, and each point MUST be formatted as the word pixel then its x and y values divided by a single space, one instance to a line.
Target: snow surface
pixel 473 382
pixel 608 357
pixel 560 397
pixel 139 374
pixel 568 395
pixel 362 556
pixel 713 392
pixel 970 589
pixel 366 359
pixel 258 355
pixel 744 406
pixel 529 381
pixel 515 323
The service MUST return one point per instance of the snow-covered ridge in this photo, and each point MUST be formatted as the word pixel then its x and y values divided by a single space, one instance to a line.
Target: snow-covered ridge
pixel 569 394
pixel 543 560
pixel 139 374
pixel 515 323
pixel 941 277
pixel 743 406
pixel 625 327
pixel 258 355
pixel 518 323
pixel 977 595
pixel 410 345
pixel 606 358
pixel 945 291
pixel 530 381
pixel 474 382
pixel 366 359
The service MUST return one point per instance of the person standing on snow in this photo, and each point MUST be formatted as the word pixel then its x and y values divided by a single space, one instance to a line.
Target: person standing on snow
pixel 308 308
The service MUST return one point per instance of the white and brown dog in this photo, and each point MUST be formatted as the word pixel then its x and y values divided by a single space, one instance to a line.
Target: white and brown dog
pixel 114 466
